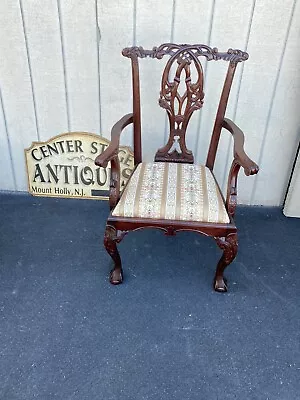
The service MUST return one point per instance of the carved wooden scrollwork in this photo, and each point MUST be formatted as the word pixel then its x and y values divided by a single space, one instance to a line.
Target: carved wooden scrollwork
pixel 211 53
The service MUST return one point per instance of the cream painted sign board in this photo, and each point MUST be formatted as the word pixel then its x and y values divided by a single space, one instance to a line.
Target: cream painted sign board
pixel 64 166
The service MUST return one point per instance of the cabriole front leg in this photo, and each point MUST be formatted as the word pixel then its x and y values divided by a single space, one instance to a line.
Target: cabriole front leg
pixel 111 239
pixel 229 245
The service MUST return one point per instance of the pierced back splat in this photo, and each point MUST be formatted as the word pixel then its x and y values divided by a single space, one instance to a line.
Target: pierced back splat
pixel 180 106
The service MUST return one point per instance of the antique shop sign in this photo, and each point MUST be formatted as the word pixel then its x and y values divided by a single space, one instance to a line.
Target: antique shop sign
pixel 64 166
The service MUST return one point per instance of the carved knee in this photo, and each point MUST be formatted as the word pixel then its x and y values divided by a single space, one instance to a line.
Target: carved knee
pixel 111 238
pixel 229 246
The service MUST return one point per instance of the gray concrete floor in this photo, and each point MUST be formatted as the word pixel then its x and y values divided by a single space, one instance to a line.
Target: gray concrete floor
pixel 66 333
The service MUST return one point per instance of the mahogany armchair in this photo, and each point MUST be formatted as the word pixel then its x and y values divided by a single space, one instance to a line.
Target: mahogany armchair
pixel 172 193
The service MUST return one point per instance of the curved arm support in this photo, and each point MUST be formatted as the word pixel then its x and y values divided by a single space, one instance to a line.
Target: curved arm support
pixel 240 159
pixel 250 167
pixel 113 149
pixel 111 154
pixel 231 198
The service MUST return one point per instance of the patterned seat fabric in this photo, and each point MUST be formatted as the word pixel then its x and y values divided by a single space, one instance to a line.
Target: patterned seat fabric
pixel 172 191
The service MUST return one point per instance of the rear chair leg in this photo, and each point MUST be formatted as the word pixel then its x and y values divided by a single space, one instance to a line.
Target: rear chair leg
pixel 111 238
pixel 230 245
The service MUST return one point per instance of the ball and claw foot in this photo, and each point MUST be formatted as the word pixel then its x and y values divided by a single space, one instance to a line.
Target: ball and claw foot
pixel 116 276
pixel 220 284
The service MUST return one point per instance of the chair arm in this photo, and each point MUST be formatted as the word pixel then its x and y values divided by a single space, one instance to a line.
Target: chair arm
pixel 112 150
pixel 250 167
pixel 111 154
pixel 240 159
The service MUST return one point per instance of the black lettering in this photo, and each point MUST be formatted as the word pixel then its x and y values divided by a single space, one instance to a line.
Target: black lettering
pixel 44 151
pixel 51 172
pixel 94 148
pixel 78 144
pixel 85 171
pixel 41 190
pixel 66 172
pixel 61 146
pixel 128 160
pixel 52 149
pixel 103 147
pixel 75 167
pixel 126 173
pixel 98 176
pixel 33 156
pixel 70 146
pixel 38 173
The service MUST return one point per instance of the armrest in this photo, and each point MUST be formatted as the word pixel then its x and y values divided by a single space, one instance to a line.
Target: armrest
pixel 112 150
pixel 250 167
pixel 240 159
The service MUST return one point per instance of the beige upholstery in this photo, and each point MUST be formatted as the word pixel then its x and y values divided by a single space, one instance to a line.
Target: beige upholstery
pixel 172 191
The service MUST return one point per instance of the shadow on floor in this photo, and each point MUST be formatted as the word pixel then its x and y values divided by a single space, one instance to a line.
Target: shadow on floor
pixel 66 333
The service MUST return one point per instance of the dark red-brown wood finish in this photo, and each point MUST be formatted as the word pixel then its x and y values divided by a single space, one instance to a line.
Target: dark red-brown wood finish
pixel 184 59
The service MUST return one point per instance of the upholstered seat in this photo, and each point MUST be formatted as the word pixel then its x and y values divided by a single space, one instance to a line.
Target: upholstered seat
pixel 173 191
